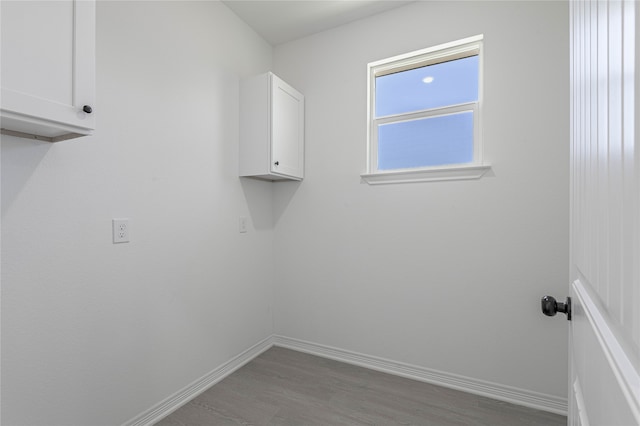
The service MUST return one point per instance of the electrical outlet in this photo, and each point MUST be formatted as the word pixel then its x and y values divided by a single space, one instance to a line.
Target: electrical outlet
pixel 242 224
pixel 120 231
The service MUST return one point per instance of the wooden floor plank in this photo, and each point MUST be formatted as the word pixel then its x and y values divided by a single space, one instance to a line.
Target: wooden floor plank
pixel 284 387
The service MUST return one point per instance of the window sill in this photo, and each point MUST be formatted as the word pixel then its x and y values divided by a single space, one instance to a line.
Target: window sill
pixel 427 175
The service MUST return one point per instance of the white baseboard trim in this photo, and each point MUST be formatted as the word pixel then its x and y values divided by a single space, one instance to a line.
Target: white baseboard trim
pixel 500 392
pixel 178 399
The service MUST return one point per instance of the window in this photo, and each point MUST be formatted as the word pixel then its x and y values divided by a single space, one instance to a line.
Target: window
pixel 424 115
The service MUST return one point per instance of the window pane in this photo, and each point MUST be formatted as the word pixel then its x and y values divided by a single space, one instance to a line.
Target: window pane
pixel 432 141
pixel 433 86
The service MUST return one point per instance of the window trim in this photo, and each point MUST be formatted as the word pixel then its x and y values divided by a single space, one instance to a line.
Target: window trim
pixel 459 49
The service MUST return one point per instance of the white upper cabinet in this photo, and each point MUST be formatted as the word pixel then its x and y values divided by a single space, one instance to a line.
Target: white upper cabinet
pixel 48 68
pixel 271 129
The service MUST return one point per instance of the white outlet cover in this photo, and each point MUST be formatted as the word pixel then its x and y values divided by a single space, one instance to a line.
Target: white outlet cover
pixel 242 224
pixel 120 231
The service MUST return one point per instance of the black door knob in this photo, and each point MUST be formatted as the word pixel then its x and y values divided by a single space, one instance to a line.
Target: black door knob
pixel 87 109
pixel 550 306
pixel 277 163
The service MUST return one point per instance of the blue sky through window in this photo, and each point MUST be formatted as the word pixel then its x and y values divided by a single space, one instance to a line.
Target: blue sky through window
pixel 438 140
pixel 433 86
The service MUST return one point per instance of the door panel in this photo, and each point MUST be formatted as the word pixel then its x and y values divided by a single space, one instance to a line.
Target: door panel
pixel 605 386
pixel 287 130
pixel 605 215
pixel 48 65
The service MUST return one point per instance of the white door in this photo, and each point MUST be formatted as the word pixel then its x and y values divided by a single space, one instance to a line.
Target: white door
pixel 604 340
pixel 287 131
pixel 48 66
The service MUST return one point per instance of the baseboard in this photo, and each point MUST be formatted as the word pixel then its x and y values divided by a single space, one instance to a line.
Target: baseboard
pixel 523 397
pixel 500 392
pixel 178 399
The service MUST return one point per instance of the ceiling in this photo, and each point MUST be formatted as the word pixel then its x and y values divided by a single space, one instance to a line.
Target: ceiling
pixel 285 20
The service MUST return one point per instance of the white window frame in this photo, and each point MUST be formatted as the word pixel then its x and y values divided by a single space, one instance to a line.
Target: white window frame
pixel 459 49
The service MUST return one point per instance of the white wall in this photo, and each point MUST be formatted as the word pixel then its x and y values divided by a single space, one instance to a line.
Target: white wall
pixel 95 333
pixel 442 275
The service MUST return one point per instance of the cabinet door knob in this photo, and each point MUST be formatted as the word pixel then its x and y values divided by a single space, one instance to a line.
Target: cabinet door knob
pixel 277 163
pixel 87 109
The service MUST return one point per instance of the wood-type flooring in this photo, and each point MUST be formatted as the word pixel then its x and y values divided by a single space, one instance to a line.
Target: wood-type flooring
pixel 285 387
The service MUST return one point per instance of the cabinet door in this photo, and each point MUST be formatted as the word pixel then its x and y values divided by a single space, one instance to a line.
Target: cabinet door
pixel 48 66
pixel 287 131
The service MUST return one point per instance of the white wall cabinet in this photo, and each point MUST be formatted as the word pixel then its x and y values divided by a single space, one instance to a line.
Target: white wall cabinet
pixel 48 69
pixel 271 129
